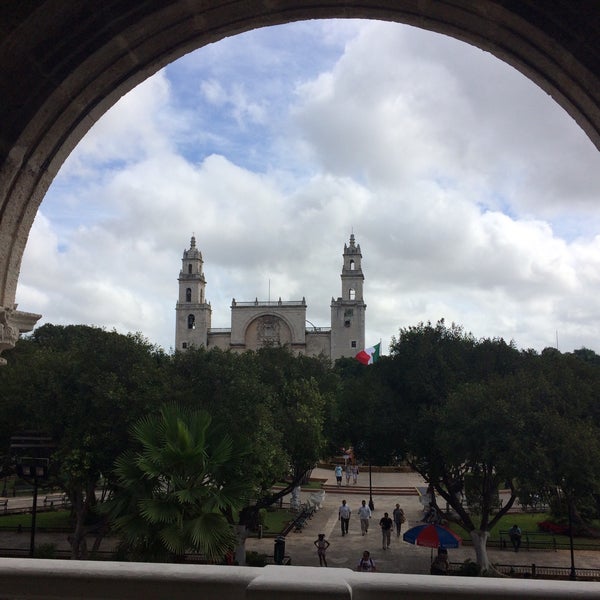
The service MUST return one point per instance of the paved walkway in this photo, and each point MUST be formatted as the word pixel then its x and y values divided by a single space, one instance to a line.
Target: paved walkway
pixel 346 551
pixel 401 557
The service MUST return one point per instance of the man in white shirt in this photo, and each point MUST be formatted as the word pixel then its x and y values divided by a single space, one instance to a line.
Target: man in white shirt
pixel 364 513
pixel 344 517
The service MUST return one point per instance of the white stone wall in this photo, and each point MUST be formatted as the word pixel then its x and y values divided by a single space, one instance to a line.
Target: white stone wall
pixel 69 580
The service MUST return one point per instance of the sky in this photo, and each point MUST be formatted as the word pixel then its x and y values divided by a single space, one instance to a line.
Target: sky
pixel 473 195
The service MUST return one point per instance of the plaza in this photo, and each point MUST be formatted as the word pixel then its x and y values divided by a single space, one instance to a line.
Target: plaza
pixel 401 557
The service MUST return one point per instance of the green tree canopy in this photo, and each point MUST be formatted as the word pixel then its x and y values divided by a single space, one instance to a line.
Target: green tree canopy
pixel 83 386
pixel 175 489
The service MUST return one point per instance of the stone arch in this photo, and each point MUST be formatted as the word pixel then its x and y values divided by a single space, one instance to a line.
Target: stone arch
pixel 74 60
pixel 268 329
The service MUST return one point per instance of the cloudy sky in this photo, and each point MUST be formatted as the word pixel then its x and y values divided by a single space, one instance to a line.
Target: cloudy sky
pixel 473 195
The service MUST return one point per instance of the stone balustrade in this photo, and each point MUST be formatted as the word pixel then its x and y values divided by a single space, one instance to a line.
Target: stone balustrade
pixel 51 579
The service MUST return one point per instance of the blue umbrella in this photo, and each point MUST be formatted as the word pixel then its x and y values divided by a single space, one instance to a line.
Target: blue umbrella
pixel 431 535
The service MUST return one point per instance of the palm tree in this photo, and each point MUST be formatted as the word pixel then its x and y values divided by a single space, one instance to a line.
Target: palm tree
pixel 173 493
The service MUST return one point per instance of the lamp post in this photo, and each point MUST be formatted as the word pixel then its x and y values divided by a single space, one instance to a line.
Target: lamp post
pixel 33 469
pixel 573 573
pixel 31 454
pixel 371 503
pixel 561 494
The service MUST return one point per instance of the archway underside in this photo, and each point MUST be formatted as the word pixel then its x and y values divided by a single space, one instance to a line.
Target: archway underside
pixel 64 63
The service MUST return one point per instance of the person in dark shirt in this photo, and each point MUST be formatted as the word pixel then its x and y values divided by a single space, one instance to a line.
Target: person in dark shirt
pixel 386 525
pixel 514 533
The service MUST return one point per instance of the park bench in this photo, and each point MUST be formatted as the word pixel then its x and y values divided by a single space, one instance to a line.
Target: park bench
pixel 300 521
pixel 4 503
pixel 51 499
pixel 530 540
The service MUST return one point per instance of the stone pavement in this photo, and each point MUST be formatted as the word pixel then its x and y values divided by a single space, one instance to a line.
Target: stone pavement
pixel 346 551
pixel 401 557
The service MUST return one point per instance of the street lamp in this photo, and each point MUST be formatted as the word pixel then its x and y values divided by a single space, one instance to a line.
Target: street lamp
pixel 371 503
pixel 33 469
pixel 561 493
pixel 31 454
pixel 573 574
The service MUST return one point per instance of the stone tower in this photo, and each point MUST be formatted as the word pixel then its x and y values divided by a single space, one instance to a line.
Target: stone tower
pixel 348 312
pixel 193 313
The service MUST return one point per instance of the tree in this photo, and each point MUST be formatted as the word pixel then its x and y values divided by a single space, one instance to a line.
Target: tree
pixel 83 386
pixel 463 435
pixel 175 489
pixel 483 416
pixel 564 391
pixel 477 443
pixel 366 414
pixel 273 401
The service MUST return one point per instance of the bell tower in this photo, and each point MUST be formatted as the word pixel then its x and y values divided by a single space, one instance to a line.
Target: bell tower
pixel 193 313
pixel 348 311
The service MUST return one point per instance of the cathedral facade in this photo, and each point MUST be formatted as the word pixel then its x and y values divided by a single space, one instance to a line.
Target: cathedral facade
pixel 257 323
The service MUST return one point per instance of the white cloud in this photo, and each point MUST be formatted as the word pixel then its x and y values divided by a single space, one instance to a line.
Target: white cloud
pixel 471 193
pixel 213 92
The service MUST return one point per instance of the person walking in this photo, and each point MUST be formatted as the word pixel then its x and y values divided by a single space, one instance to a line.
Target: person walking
pixel 322 544
pixel 386 525
pixel 338 474
pixel 399 518
pixel 364 514
pixel 355 474
pixel 344 517
pixel 366 563
pixel 348 473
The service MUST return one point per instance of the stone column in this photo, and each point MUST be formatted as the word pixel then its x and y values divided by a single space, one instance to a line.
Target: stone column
pixel 13 322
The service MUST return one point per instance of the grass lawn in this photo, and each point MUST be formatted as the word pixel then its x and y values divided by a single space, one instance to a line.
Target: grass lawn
pixel 528 523
pixel 275 521
pixel 53 518
pixel 313 484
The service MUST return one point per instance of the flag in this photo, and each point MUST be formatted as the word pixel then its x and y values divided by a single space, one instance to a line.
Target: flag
pixel 369 355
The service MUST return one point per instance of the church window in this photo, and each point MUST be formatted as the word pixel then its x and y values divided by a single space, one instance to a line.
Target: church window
pixel 347 323
pixel 352 265
pixel 190 268
pixel 191 322
pixel 184 345
pixel 354 343
pixel 188 295
pixel 352 294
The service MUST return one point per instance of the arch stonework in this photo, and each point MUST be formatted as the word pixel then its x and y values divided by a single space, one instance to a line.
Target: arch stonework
pixel 64 63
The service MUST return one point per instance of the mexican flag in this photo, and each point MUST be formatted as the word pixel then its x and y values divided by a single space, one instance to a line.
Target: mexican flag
pixel 369 355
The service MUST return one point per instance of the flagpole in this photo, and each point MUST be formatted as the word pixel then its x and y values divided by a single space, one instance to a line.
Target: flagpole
pixel 371 503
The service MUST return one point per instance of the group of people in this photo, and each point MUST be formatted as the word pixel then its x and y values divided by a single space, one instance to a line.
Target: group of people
pixel 351 471
pixel 386 523
pixel 366 563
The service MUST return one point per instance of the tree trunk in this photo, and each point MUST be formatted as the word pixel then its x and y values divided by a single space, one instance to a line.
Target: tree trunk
pixel 240 550
pixel 79 509
pixel 81 502
pixel 480 539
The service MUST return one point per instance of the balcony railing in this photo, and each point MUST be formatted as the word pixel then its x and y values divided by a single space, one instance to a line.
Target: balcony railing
pixel 269 303
pixel 26 579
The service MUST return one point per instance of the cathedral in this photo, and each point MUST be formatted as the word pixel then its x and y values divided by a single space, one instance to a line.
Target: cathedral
pixel 281 323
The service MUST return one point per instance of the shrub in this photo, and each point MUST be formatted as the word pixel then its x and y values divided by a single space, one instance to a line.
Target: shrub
pixel 45 551
pixel 469 569
pixel 254 559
